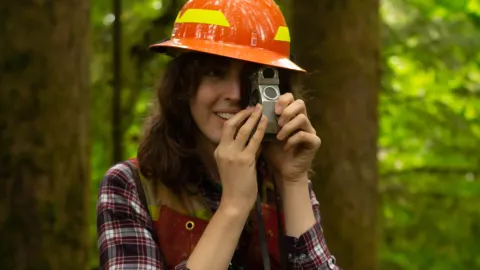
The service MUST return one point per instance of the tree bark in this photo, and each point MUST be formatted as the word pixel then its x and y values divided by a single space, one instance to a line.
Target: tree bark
pixel 338 42
pixel 44 134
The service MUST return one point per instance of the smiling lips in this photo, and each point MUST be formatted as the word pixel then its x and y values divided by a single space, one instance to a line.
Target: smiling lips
pixel 225 116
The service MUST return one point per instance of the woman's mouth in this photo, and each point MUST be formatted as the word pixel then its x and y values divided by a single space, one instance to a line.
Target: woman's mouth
pixel 225 116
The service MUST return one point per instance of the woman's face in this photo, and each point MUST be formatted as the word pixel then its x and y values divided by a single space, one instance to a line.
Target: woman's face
pixel 218 98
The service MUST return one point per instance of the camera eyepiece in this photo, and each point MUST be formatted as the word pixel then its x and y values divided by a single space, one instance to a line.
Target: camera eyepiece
pixel 268 73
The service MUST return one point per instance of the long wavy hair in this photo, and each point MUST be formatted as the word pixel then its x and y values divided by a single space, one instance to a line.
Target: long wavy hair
pixel 167 151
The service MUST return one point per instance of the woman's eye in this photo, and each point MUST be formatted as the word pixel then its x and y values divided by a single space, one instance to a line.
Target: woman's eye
pixel 216 73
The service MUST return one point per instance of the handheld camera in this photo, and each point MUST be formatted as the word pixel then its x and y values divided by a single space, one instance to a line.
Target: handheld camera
pixel 265 90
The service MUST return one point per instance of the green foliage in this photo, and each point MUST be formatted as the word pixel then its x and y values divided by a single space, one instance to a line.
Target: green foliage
pixel 430 129
pixel 430 135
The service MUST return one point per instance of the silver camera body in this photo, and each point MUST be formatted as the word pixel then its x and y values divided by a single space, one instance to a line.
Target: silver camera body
pixel 266 91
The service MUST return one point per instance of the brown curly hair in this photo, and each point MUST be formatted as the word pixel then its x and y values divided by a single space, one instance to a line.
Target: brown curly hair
pixel 167 151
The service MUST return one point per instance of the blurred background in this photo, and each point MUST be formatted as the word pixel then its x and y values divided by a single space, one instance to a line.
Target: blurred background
pixel 393 91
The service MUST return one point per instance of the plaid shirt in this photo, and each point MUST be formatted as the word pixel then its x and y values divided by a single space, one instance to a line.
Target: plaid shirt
pixel 125 241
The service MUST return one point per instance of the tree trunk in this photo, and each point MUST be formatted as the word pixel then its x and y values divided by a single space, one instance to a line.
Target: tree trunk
pixel 44 134
pixel 338 42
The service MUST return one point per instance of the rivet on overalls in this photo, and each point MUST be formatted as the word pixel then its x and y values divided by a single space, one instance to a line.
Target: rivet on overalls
pixel 189 225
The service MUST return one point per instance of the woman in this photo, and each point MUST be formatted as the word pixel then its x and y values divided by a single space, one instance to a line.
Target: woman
pixel 206 191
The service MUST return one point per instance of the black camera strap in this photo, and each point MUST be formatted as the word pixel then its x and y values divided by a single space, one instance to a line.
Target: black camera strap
pixel 262 236
pixel 261 229
pixel 281 231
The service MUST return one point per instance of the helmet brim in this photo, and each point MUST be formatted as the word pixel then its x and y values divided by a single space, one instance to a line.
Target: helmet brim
pixel 250 54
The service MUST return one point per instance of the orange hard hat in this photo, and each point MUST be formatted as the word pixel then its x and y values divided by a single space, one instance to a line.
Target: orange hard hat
pixel 250 30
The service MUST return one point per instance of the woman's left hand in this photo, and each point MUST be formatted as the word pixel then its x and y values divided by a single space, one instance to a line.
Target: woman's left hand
pixel 291 155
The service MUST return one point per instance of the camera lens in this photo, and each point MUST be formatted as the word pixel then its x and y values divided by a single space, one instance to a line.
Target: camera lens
pixel 268 73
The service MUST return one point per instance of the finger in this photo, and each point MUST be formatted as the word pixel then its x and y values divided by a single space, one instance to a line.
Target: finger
pixel 246 130
pixel 256 140
pixel 308 140
pixel 292 110
pixel 283 101
pixel 232 124
pixel 300 122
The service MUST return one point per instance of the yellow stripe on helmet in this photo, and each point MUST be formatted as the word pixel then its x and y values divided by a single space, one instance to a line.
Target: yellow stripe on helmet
pixel 206 16
pixel 283 34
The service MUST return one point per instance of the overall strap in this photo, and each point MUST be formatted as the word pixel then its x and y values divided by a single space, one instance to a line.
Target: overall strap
pixel 141 194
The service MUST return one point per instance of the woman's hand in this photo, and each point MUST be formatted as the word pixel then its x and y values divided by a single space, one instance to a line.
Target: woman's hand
pixel 292 154
pixel 236 157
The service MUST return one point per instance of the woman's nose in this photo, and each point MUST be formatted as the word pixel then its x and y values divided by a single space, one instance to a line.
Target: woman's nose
pixel 233 90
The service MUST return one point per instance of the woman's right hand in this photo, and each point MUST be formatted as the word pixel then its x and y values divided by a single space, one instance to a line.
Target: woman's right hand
pixel 236 157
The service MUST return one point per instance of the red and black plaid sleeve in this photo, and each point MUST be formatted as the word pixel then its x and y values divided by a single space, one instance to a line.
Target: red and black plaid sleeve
pixel 123 227
pixel 310 250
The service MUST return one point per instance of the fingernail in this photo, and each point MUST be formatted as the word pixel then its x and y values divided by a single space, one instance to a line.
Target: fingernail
pixel 277 108
pixel 280 122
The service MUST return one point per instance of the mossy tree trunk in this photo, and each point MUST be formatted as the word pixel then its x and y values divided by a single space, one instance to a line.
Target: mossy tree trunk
pixel 338 42
pixel 44 134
